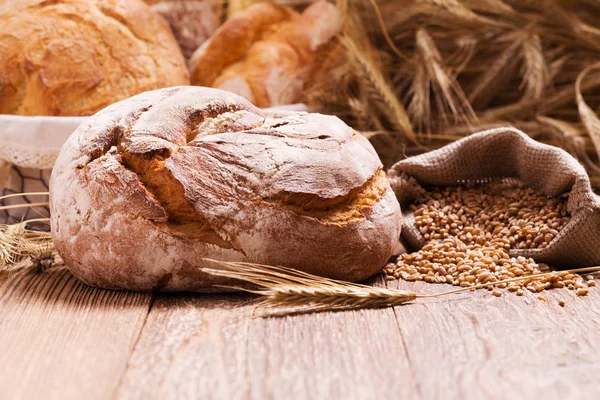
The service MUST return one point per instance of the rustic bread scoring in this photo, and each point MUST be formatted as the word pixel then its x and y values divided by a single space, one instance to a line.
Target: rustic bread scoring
pixel 148 188
pixel 266 53
pixel 75 57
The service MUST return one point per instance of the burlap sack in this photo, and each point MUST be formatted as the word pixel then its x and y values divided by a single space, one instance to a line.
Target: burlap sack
pixel 509 153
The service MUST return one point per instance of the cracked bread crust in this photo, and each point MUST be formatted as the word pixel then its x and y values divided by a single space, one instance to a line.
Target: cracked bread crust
pixel 147 188
pixel 75 57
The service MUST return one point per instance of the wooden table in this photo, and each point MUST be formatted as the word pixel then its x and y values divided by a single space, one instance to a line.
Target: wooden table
pixel 60 339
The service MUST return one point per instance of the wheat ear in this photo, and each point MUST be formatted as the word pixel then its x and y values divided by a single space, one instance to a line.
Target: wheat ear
pixel 282 287
pixel 290 287
pixel 22 248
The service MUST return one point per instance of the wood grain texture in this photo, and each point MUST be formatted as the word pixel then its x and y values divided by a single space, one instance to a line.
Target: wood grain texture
pixel 211 347
pixel 61 339
pixel 192 347
pixel 477 346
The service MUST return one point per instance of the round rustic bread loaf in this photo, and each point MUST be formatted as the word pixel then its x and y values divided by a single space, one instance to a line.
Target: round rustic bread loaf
pixel 75 57
pixel 147 188
pixel 267 52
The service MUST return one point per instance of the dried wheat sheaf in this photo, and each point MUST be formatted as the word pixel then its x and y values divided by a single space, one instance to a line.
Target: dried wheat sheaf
pixel 419 74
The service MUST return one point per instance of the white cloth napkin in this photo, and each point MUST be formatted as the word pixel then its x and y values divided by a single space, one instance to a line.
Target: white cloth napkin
pixel 34 142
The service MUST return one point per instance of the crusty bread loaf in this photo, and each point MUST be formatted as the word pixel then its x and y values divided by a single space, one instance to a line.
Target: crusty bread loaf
pixel 152 185
pixel 265 53
pixel 75 57
pixel 192 21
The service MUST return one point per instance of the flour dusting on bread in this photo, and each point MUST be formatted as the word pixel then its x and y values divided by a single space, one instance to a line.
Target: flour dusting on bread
pixel 148 188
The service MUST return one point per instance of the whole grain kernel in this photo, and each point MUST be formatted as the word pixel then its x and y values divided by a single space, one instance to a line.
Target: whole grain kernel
pixel 561 303
pixel 470 231
pixel 496 293
pixel 582 292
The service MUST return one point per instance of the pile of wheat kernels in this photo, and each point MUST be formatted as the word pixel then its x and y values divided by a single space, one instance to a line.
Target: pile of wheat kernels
pixel 469 231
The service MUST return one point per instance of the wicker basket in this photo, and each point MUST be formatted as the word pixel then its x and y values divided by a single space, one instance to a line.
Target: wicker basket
pixel 28 148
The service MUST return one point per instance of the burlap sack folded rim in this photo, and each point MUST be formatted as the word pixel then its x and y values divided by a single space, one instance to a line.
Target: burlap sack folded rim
pixel 503 153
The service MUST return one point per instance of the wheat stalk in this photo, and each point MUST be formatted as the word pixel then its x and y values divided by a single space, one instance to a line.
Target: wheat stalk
pixel 24 205
pixel 462 65
pixel 280 286
pixel 378 88
pixel 28 194
pixel 22 248
pixel 11 237
pixel 290 291
pixel 588 116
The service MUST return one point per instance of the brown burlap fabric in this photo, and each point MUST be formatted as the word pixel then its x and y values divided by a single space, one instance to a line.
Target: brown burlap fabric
pixel 509 153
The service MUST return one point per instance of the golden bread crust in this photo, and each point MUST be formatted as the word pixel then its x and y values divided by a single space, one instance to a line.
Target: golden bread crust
pixel 265 53
pixel 75 57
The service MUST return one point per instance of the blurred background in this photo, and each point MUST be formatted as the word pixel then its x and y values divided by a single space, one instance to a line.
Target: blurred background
pixel 415 75
pixel 410 75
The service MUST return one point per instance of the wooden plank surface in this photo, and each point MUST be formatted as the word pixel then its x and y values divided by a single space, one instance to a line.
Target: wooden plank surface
pixel 211 347
pixel 61 339
pixel 477 346
pixel 192 346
